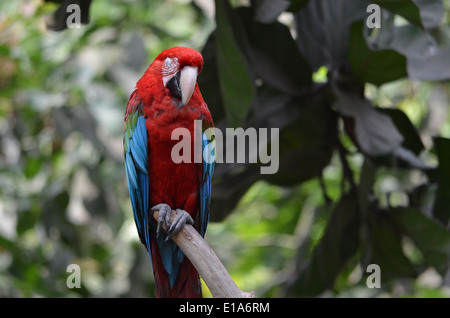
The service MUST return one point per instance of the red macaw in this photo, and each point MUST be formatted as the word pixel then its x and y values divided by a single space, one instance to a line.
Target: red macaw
pixel 167 97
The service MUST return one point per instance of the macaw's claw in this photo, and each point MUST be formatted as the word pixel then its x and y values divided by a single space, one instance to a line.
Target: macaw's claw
pixel 179 221
pixel 165 211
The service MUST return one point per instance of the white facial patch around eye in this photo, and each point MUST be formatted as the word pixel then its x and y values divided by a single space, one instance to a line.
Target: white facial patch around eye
pixel 169 69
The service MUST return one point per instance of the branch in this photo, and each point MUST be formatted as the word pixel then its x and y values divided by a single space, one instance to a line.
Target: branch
pixel 206 262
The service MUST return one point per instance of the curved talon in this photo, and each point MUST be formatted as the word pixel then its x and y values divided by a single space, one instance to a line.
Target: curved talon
pixel 164 216
pixel 179 221
pixel 165 212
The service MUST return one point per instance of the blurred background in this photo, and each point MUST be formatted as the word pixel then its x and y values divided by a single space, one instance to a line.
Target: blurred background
pixel 357 184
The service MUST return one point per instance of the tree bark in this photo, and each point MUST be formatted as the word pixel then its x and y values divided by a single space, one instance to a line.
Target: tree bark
pixel 208 265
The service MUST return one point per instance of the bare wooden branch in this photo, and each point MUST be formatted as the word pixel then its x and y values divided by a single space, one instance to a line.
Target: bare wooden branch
pixel 206 262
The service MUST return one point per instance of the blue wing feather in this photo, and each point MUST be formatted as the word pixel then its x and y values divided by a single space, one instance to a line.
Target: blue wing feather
pixel 135 145
pixel 138 144
pixel 208 158
pixel 137 175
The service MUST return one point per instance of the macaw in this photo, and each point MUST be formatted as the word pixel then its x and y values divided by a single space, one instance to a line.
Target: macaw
pixel 165 98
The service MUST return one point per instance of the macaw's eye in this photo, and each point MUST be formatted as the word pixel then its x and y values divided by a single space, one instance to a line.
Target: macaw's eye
pixel 174 85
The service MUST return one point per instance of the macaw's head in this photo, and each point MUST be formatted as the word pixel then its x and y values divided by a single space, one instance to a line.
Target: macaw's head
pixel 174 71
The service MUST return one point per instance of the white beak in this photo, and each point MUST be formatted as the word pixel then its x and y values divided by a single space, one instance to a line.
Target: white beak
pixel 188 79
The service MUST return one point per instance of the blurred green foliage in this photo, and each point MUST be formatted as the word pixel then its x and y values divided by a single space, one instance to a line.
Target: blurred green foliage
pixel 63 194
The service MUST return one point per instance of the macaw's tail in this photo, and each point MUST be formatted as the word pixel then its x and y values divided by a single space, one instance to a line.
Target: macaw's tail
pixel 186 285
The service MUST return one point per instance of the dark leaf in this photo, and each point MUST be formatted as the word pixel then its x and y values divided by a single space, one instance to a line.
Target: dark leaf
pixel 405 8
pixel 406 157
pixel 442 204
pixel 426 59
pixel 270 52
pixel 323 29
pixel 229 185
pixel 422 198
pixel 308 130
pixel 339 243
pixel 431 238
pixel 365 187
pixel 234 80
pixel 297 5
pixel 411 137
pixel 431 12
pixel 267 11
pixel 208 81
pixel 423 13
pixel 374 131
pixel 373 66
pixel 385 248
pixel 407 39
pixel 433 67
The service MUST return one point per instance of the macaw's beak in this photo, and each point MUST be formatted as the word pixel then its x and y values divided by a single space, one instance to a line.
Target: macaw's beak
pixel 182 84
pixel 188 80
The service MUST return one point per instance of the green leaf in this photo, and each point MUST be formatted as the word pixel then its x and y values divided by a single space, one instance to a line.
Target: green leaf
pixel 431 238
pixel 442 204
pixel 339 243
pixel 27 219
pixel 32 167
pixel 372 66
pixel 234 79
pixel 7 244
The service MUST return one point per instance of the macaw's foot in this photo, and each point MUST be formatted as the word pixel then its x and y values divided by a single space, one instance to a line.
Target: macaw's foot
pixel 181 218
pixel 164 216
pixel 165 211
